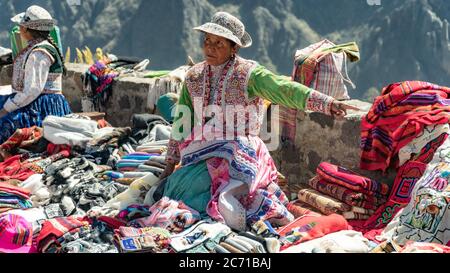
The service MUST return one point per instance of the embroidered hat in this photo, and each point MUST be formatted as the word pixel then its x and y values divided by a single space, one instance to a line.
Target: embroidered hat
pixel 36 18
pixel 16 234
pixel 226 25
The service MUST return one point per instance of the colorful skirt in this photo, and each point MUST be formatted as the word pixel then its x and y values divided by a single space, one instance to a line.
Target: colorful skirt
pixel 240 176
pixel 33 114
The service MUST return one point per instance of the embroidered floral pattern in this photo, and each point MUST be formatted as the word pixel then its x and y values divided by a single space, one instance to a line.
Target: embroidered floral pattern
pixel 318 102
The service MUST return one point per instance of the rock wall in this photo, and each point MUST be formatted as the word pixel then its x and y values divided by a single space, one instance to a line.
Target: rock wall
pixel 319 137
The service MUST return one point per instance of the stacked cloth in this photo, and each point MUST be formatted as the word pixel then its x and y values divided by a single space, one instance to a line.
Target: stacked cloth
pixel 12 197
pixel 71 235
pixel 336 190
pixel 142 240
pixel 397 117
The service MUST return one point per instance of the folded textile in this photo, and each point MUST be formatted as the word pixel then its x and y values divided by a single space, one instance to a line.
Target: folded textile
pixel 169 214
pixel 351 180
pixel 74 132
pixel 351 215
pixel 155 164
pixel 310 227
pixel 398 116
pixel 345 195
pixel 129 239
pixel 197 234
pixel 325 204
pixel 147 168
pixel 54 229
pixel 345 241
pixel 299 209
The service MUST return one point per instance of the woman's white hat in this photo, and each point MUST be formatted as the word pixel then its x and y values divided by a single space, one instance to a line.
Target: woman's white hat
pixel 36 18
pixel 226 25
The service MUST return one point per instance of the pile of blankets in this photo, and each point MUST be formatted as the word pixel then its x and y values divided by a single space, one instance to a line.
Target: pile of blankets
pixel 12 197
pixel 336 190
pixel 397 117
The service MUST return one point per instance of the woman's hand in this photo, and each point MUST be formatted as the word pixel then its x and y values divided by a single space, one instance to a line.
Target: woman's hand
pixel 167 171
pixel 339 109
pixel 3 113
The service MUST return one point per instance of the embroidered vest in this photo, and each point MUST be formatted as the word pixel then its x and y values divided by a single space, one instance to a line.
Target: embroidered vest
pixel 233 93
pixel 53 84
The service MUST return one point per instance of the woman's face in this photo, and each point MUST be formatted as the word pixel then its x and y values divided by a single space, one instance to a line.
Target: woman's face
pixel 24 34
pixel 217 50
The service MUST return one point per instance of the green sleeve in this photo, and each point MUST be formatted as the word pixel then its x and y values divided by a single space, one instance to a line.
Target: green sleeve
pixel 277 89
pixel 185 100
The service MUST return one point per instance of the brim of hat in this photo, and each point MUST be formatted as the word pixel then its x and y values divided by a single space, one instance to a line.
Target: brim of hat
pixel 6 248
pixel 18 18
pixel 212 28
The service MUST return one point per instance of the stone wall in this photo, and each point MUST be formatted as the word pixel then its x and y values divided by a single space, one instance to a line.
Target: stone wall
pixel 319 137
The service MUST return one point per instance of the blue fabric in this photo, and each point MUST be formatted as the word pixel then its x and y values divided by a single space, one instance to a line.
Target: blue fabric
pixel 33 114
pixel 192 185
pixel 166 103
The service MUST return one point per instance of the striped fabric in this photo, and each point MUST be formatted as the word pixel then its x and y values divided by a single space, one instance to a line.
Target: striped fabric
pixel 398 116
pixel 321 66
pixel 351 180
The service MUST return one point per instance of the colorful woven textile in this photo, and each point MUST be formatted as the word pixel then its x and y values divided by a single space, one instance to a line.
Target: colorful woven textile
pixel 23 138
pixel 345 195
pixel 310 227
pixel 404 183
pixel 325 204
pixel 351 180
pixel 397 117
pixel 169 214
pixel 53 230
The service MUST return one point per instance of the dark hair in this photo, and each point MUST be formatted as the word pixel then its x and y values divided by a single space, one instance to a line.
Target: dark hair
pixel 38 34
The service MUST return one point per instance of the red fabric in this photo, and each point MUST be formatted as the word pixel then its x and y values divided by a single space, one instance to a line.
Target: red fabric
pixel 312 227
pixel 396 118
pixel 22 138
pixel 55 149
pixel 5 187
pixel 351 180
pixel 55 228
pixel 112 222
pixel 13 168
pixel 400 196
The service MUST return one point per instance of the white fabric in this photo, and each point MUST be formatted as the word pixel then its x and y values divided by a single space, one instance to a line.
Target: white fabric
pixel 230 208
pixel 36 73
pixel 427 216
pixel 415 146
pixel 74 132
pixel 197 234
pixel 135 194
pixel 346 241
pixel 33 183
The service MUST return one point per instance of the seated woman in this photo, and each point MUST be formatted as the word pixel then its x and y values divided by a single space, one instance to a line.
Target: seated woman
pixel 37 76
pixel 232 180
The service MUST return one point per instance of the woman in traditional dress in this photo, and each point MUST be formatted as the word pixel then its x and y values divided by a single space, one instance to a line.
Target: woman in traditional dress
pixel 37 76
pixel 233 181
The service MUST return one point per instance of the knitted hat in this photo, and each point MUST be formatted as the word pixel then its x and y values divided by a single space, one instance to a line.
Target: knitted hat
pixel 36 18
pixel 16 234
pixel 226 25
